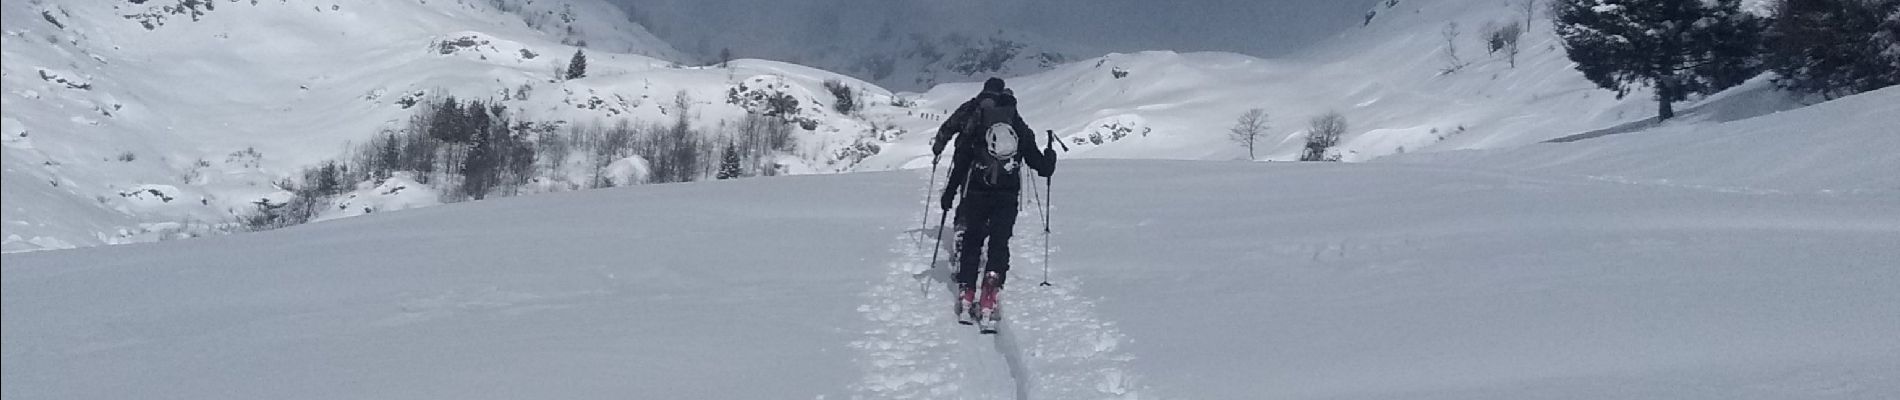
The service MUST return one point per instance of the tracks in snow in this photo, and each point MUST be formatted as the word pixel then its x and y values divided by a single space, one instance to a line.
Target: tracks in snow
pixel 1049 344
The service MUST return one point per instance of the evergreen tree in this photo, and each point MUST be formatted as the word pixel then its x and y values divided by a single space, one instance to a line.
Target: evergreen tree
pixel 1834 48
pixel 1675 47
pixel 489 145
pixel 327 180
pixel 479 168
pixel 388 157
pixel 577 66
pixel 446 122
pixel 729 163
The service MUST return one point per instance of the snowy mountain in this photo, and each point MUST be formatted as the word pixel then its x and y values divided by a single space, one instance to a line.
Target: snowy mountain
pixel 1388 78
pixel 1505 230
pixel 904 45
pixel 1428 279
pixel 140 133
pixel 137 121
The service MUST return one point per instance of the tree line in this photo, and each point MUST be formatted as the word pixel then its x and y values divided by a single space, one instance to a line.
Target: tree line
pixel 474 149
pixel 1678 48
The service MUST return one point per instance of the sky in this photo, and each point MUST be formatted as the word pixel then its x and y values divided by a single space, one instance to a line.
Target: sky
pixel 779 29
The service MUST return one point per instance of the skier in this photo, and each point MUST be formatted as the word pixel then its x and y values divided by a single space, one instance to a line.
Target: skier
pixel 992 145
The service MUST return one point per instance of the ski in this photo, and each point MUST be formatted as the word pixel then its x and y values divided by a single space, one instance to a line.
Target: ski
pixel 987 324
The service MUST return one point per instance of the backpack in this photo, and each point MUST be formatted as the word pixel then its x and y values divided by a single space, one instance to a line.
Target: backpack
pixel 996 158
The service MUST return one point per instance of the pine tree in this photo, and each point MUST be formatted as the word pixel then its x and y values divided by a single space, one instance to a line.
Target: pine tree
pixel 478 167
pixel 388 157
pixel 577 66
pixel 1834 48
pixel 1675 47
pixel 488 146
pixel 729 163
pixel 445 121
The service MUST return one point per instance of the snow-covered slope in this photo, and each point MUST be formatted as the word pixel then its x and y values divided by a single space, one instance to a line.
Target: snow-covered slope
pixel 119 133
pixel 1843 146
pixel 128 122
pixel 1387 78
pixel 1173 279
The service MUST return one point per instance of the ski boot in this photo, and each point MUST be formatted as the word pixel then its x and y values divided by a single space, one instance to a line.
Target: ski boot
pixel 987 313
pixel 966 299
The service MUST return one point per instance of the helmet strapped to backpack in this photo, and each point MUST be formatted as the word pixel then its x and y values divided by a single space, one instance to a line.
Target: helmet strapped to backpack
pixel 1000 141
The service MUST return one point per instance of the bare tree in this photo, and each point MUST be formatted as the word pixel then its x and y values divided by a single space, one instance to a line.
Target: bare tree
pixel 607 146
pixel 1453 63
pixel 1248 129
pixel 554 148
pixel 675 151
pixel 1505 38
pixel 1322 134
pixel 1530 11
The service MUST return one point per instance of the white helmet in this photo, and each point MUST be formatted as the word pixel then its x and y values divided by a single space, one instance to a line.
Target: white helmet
pixel 1002 141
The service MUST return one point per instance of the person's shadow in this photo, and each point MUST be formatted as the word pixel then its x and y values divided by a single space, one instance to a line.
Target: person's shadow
pixel 943 271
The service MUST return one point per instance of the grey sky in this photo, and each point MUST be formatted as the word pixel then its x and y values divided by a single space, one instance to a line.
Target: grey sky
pixel 779 28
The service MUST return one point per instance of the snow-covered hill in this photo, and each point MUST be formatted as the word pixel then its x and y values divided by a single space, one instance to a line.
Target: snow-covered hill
pixel 1841 147
pixel 119 133
pixel 1388 78
pixel 1432 279
pixel 129 122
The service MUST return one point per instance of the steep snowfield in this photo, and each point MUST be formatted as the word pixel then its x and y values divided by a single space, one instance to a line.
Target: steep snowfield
pixel 1173 279
pixel 116 132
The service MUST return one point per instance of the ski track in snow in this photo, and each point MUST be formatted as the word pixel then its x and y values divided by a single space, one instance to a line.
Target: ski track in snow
pixel 1049 344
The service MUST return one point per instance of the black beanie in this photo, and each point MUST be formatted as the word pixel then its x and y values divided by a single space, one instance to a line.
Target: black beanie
pixel 994 85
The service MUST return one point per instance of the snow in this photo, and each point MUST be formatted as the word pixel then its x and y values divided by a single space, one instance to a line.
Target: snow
pixel 291 94
pixel 399 192
pixel 1453 277
pixel 1835 147
pixel 628 171
pixel 1387 78
pixel 223 105
pixel 1742 251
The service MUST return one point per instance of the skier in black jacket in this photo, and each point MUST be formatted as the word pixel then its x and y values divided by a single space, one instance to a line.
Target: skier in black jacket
pixel 992 145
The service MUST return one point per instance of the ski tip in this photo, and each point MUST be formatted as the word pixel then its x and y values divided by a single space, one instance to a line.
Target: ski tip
pixel 987 331
pixel 966 322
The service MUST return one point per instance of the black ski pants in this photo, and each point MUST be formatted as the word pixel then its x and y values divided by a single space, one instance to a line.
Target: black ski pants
pixel 985 217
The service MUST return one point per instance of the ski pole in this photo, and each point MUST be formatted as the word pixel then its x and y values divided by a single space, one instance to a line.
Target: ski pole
pixel 962 191
pixel 1044 211
pixel 925 219
pixel 1047 207
pixel 939 246
pixel 1048 204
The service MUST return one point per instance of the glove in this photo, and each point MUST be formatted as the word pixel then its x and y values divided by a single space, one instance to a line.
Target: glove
pixel 949 198
pixel 936 148
pixel 1050 154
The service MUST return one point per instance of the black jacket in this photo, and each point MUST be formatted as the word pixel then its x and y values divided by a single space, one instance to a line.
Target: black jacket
pixel 963 126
